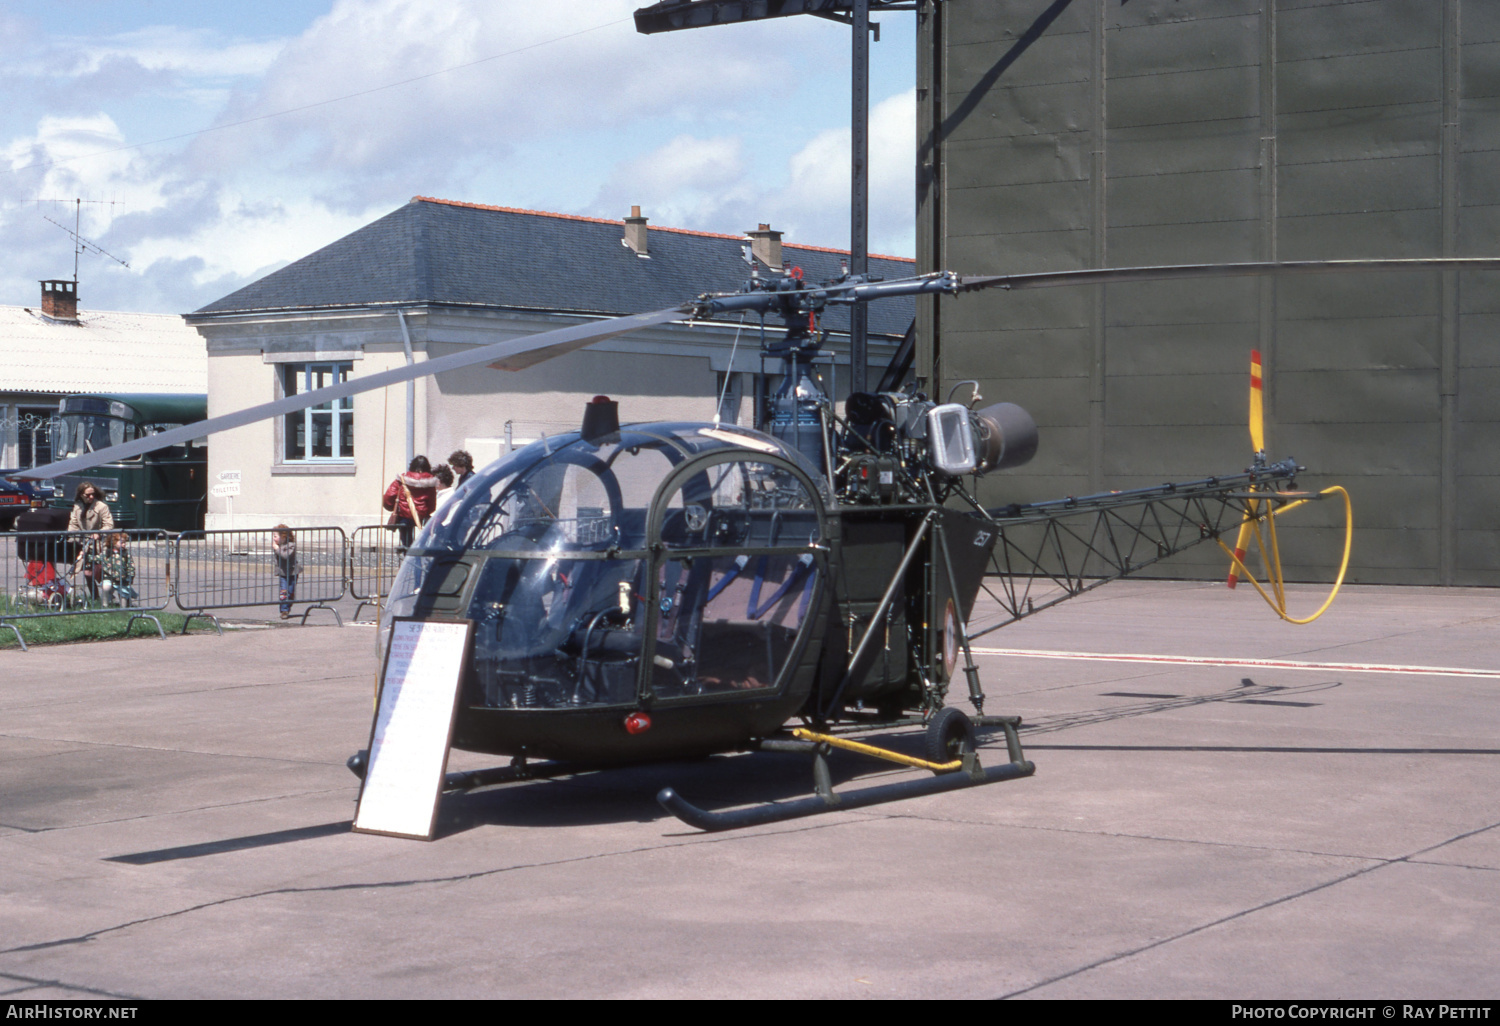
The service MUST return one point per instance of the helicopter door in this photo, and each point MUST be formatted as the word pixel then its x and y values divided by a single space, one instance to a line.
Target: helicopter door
pixel 737 577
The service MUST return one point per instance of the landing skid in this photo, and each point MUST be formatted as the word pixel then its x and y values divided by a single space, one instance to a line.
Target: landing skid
pixel 950 727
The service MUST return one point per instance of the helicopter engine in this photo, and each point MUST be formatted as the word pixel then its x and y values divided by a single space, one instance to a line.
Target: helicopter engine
pixel 896 440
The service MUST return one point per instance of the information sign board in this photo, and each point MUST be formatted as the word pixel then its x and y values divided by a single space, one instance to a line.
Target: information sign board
pixel 413 727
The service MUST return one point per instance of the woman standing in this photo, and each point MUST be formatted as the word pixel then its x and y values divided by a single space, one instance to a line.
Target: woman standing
pixel 90 513
pixel 411 498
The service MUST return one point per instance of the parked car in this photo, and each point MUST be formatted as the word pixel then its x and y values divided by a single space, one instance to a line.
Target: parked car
pixel 16 497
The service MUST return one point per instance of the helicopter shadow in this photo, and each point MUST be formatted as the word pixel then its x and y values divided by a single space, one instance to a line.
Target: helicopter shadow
pixel 628 794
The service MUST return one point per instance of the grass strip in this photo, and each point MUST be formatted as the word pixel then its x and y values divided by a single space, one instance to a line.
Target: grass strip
pixel 59 630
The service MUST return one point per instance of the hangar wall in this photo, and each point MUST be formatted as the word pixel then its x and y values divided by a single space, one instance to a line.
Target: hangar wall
pixel 1088 133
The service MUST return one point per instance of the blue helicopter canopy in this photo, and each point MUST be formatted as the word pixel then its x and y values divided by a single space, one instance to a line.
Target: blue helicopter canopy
pixel 681 558
pixel 567 492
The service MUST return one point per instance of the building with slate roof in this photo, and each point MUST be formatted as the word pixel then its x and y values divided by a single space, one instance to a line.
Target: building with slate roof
pixel 436 276
pixel 51 351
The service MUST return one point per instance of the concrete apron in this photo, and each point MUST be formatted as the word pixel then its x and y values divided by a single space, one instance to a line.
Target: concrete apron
pixel 1193 830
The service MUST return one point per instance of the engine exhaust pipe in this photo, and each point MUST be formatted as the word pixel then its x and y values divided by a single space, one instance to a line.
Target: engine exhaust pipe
pixel 1007 437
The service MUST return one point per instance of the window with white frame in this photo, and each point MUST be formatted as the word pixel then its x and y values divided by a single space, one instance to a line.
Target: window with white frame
pixel 321 433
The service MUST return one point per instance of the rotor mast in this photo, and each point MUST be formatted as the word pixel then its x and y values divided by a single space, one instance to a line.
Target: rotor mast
pixel 859 193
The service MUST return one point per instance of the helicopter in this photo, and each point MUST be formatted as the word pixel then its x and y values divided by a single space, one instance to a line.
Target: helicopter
pixel 639 593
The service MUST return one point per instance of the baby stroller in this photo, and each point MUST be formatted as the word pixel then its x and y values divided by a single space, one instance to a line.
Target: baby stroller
pixel 113 572
pixel 42 545
pixel 43 587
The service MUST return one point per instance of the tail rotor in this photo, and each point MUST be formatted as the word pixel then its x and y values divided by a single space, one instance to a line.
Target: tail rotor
pixel 1263 504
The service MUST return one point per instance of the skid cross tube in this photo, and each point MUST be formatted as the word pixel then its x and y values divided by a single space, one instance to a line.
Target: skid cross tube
pixel 879 753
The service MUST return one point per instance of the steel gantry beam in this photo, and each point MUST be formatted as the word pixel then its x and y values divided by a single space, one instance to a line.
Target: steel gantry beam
pixel 671 15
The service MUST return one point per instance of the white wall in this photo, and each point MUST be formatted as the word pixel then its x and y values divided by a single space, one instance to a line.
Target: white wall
pixel 667 374
pixel 303 496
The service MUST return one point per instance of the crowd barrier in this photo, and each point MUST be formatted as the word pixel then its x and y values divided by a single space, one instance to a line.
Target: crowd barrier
pixel 57 573
pixel 225 569
pixel 62 573
pixel 374 557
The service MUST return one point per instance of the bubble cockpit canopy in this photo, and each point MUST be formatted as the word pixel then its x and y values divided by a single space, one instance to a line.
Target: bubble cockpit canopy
pixel 674 559
pixel 569 493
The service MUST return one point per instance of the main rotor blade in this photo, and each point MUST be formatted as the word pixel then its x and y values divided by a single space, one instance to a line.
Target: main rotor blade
pixel 1107 275
pixel 512 354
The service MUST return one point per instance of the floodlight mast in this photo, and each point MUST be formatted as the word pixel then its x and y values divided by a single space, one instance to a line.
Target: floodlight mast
pixel 671 15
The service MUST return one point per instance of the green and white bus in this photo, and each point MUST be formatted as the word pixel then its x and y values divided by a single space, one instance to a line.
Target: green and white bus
pixel 165 488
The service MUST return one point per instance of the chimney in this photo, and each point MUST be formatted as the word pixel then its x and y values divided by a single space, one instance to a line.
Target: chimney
pixel 635 233
pixel 60 300
pixel 765 246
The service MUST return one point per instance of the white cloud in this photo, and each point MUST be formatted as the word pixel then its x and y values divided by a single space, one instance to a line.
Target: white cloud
pixel 708 184
pixel 686 183
pixel 192 52
pixel 244 237
pixel 715 129
pixel 816 198
pixel 529 83
pixel 113 174
pixel 195 52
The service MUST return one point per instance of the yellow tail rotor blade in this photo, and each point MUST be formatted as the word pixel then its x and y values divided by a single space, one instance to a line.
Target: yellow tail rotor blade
pixel 1258 444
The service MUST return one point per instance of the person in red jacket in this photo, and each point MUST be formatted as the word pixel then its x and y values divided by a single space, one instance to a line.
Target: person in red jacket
pixel 411 498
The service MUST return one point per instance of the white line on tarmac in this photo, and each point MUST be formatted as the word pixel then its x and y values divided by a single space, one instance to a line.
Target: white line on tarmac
pixel 1279 664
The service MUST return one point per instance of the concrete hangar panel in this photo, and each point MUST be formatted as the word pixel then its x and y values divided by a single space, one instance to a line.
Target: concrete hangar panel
pixel 1056 134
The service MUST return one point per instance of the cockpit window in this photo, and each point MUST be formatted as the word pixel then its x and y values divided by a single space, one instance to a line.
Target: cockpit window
pixel 729 617
pixel 559 503
pixel 741 503
pixel 564 492
pixel 557 633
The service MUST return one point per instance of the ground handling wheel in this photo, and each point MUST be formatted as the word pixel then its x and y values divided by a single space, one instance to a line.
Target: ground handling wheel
pixel 950 736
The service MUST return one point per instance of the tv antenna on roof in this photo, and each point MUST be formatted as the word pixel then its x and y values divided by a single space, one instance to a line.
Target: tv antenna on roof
pixel 80 244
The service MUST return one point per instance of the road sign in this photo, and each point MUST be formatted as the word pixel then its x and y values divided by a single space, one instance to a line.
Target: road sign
pixel 225 491
pixel 229 476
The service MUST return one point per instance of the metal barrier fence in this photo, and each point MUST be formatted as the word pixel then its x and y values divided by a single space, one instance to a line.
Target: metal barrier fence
pixel 55 573
pixel 375 555
pixel 60 573
pixel 223 569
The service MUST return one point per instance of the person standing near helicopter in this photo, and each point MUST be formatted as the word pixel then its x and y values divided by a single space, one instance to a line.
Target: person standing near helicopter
pixel 90 513
pixel 284 552
pixel 411 498
pixel 463 466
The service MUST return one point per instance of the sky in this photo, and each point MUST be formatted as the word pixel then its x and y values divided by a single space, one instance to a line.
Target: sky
pixel 214 143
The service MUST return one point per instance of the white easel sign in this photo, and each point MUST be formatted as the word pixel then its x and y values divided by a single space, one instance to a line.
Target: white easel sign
pixel 413 727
